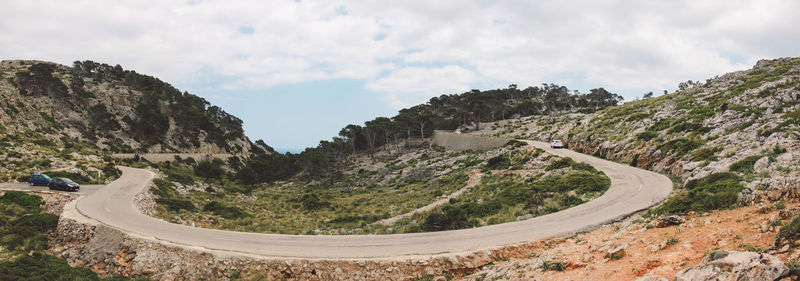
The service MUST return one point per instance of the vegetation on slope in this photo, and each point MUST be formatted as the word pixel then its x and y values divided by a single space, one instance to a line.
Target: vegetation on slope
pixel 361 196
pixel 713 192
pixel 506 197
pixel 113 109
pixel 24 230
pixel 446 112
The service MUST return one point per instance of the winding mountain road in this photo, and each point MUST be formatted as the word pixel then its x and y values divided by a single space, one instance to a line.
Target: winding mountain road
pixel 631 190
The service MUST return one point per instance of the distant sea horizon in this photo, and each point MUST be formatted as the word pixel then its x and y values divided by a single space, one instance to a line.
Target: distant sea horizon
pixel 283 150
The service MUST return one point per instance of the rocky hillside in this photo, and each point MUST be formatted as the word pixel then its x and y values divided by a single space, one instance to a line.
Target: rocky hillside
pixel 745 122
pixel 111 109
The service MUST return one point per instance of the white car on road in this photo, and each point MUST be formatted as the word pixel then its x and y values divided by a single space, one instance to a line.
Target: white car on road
pixel 556 144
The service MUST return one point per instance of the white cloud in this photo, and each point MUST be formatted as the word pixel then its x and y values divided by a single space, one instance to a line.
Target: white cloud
pixel 614 44
pixel 413 85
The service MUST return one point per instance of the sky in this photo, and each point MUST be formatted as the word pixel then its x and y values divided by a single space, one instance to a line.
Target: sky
pixel 296 72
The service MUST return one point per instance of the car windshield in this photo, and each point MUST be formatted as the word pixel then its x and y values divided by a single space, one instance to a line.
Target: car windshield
pixel 68 180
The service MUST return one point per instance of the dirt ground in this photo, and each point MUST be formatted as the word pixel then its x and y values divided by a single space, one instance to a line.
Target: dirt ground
pixel 646 249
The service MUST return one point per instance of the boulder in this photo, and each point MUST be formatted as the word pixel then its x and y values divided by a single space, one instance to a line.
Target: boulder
pixel 775 193
pixel 617 252
pixel 748 196
pixel 669 221
pixel 734 265
pixel 762 165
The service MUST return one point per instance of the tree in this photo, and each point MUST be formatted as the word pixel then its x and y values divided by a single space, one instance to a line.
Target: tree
pixel 209 169
pixel 647 95
pixel 247 176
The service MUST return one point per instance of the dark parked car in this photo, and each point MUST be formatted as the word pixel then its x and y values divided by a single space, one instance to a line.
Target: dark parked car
pixel 39 179
pixel 63 184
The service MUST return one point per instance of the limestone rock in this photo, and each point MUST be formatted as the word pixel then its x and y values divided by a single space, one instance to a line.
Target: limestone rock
pixel 735 265
pixel 762 165
pixel 669 221
pixel 617 252
pixel 650 277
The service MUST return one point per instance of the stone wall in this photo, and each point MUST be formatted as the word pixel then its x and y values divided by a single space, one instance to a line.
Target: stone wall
pixel 164 157
pixel 458 142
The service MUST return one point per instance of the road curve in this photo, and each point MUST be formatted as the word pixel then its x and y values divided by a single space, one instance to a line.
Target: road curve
pixel 631 190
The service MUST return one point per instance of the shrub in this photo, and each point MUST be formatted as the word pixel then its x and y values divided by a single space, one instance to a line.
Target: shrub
pixel 560 163
pixel 581 182
pixel 552 265
pixel 498 162
pixel 311 201
pixel 515 143
pixel 635 160
pixel 711 179
pixel 744 166
pixel 111 171
pixel 163 188
pixel 789 232
pixel 680 146
pixel 42 267
pixel 450 217
pixel 659 126
pixel 646 135
pixel 704 154
pixel 32 203
pixel 580 166
pixel 27 232
pixel 176 205
pixel 209 169
pixel 180 174
pixel 225 211
pixel 716 191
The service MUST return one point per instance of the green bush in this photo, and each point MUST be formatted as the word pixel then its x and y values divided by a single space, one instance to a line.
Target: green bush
pixel 509 193
pixel 31 203
pixel 646 135
pixel 180 174
pixel 680 146
pixel 209 169
pixel 744 166
pixel 176 205
pixel 711 179
pixel 498 162
pixel 789 232
pixel 580 166
pixel 716 191
pixel 164 188
pixel 516 143
pixel 311 201
pixel 225 211
pixel 45 267
pixel 660 126
pixel 707 153
pixel 560 163
pixel 449 218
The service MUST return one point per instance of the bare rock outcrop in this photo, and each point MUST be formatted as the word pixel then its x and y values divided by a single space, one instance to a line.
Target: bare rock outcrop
pixel 669 221
pixel 734 265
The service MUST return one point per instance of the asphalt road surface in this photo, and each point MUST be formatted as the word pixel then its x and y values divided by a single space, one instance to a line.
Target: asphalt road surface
pixel 632 189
